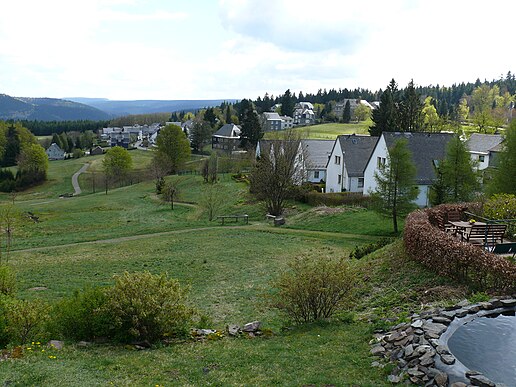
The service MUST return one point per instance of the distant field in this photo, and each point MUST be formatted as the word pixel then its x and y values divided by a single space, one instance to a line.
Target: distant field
pixel 329 131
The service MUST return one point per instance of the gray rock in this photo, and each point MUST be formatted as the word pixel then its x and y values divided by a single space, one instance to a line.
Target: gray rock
pixel 461 313
pixel 473 309
pixel 252 326
pixel 378 350
pixel 434 342
pixel 448 359
pixel 510 302
pixel 481 380
pixel 441 379
pixel 442 350
pixel 57 344
pixel 415 372
pixel 394 379
pixel 450 314
pixel 417 324
pixel 441 320
pixel 486 305
pixel 423 349
pixel 426 360
pixel 396 336
pixel 419 331
pixel 434 328
pixel 459 384
pixel 409 350
pixel 233 330
pixel 472 372
pixel 496 302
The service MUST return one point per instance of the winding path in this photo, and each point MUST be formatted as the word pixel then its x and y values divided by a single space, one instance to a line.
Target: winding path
pixel 75 179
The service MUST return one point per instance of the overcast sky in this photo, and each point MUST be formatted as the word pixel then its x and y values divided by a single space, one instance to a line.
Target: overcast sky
pixel 202 49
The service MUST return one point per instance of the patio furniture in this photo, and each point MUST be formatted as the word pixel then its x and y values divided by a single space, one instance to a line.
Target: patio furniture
pixel 506 249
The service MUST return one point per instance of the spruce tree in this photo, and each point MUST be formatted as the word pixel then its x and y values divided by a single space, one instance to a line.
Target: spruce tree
pixel 346 116
pixel 251 130
pixel 504 176
pixel 12 147
pixel 287 104
pixel 411 110
pixel 385 117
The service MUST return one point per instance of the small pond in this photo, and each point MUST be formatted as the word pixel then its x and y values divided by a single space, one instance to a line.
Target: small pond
pixel 488 344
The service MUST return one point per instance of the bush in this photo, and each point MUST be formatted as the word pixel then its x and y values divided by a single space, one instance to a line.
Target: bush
pixel 501 206
pixel 149 307
pixel 361 251
pixel 26 320
pixel 448 256
pixel 82 316
pixel 313 288
pixel 337 199
pixel 4 336
pixel 7 281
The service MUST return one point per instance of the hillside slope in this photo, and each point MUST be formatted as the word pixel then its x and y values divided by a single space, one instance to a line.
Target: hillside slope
pixel 47 109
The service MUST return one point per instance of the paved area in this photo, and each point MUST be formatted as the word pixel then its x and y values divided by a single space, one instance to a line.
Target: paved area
pixel 75 179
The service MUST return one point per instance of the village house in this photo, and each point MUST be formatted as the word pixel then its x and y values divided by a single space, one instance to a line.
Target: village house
pixel 227 138
pixel 427 149
pixel 304 114
pixel 353 104
pixel 54 152
pixel 483 149
pixel 274 122
pixel 346 164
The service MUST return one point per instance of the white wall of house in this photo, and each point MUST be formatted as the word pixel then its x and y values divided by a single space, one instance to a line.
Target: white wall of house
pixel 379 154
pixel 355 184
pixel 480 159
pixel 334 169
pixel 316 175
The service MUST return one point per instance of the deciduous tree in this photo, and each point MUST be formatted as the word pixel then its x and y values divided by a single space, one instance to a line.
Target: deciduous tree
pixel 116 163
pixel 173 145
pixel 504 175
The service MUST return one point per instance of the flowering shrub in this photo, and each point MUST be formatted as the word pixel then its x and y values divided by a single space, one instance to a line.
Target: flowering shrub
pixel 448 256
pixel 26 320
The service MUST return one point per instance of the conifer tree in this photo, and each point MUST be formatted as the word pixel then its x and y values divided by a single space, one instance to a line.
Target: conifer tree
pixel 386 117
pixel 346 116
pixel 504 177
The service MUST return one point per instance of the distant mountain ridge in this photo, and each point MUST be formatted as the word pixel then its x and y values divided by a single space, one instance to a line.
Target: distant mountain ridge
pixel 47 109
pixel 123 108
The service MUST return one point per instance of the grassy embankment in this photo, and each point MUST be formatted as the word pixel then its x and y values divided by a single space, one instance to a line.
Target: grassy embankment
pixel 229 270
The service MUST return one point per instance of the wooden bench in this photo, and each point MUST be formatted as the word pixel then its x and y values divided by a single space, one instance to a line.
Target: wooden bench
pixel 236 217
pixel 487 235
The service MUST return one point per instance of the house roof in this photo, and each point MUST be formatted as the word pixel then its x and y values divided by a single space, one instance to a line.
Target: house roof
pixel 54 147
pixel 425 148
pixel 317 152
pixel 271 116
pixel 356 151
pixel 228 130
pixel 484 143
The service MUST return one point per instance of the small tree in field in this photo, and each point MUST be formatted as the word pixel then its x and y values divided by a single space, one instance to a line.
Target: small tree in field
pixel 277 170
pixel 395 181
pixel 170 192
pixel 117 163
pixel 313 288
pixel 212 200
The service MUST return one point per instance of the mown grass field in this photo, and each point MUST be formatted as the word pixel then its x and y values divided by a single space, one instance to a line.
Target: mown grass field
pixel 328 131
pixel 228 269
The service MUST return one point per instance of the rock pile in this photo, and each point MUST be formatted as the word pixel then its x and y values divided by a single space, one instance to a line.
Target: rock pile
pixel 415 346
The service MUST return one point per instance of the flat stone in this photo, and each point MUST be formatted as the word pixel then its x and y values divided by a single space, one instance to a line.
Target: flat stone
pixel 409 350
pixel 510 302
pixel 496 302
pixel 434 342
pixel 422 349
pixel 461 313
pixel 57 344
pixel 419 331
pixel 378 350
pixel 415 372
pixel 252 326
pixel 442 350
pixel 448 359
pixel 441 320
pixel 458 384
pixel 432 372
pixel 473 309
pixel 450 314
pixel 417 381
pixel 472 373
pixel 486 305
pixel 417 324
pixel 481 380
pixel 426 360
pixel 435 328
pixel 394 379
pixel 402 343
pixel 396 336
pixel 441 379
pixel 233 330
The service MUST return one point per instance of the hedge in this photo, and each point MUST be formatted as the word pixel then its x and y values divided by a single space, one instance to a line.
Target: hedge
pixel 450 257
pixel 337 199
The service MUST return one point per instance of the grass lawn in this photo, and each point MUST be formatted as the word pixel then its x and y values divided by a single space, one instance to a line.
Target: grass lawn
pixel 329 131
pixel 228 268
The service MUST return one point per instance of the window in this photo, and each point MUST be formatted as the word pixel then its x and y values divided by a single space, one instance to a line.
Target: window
pixel 337 160
pixel 316 174
pixel 481 159
pixel 360 182
pixel 339 179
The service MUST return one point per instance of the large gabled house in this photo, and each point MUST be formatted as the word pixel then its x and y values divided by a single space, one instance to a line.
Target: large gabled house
pixel 347 161
pixel 273 122
pixel 54 152
pixel 304 113
pixel 227 138
pixel 427 149
pixel 483 149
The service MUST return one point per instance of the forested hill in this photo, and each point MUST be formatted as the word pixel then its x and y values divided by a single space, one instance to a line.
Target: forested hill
pixel 47 109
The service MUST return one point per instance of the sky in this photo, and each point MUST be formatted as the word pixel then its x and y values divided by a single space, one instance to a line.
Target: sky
pixel 224 49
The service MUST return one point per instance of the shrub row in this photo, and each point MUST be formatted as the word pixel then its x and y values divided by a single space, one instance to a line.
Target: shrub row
pixel 23 179
pixel 361 251
pixel 337 199
pixel 448 256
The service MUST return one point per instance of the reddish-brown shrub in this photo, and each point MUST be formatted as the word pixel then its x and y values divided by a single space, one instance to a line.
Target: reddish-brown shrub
pixel 448 256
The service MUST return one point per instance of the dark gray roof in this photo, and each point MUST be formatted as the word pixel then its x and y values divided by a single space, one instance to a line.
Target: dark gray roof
pixel 425 148
pixel 317 152
pixel 484 142
pixel 228 130
pixel 356 151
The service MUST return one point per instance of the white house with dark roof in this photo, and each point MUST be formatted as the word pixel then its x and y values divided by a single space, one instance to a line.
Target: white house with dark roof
pixel 483 149
pixel 227 138
pixel 347 161
pixel 427 150
pixel 353 104
pixel 274 122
